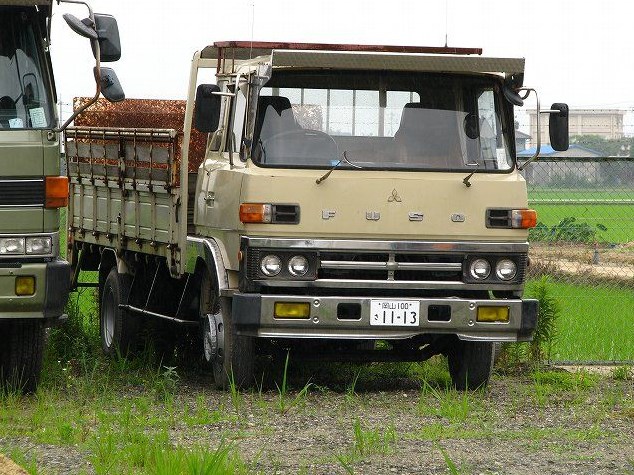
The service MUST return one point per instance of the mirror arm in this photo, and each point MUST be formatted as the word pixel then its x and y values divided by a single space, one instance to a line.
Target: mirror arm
pixel 528 90
pixel 97 71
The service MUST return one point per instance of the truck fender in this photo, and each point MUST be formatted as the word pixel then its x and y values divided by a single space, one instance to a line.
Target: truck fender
pixel 107 261
pixel 209 251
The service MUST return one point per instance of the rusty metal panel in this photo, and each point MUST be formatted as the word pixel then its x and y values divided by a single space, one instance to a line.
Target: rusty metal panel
pixel 396 62
pixel 146 114
pixel 24 3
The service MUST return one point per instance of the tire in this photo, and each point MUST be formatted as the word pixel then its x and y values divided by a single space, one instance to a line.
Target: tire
pixel 470 364
pixel 230 356
pixel 21 354
pixel 118 329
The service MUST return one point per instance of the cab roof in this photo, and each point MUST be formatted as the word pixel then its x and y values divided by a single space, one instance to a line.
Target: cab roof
pixel 230 54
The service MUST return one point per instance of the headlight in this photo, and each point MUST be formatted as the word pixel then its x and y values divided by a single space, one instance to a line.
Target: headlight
pixel 298 266
pixel 480 269
pixel 12 245
pixel 271 265
pixel 506 269
pixel 39 245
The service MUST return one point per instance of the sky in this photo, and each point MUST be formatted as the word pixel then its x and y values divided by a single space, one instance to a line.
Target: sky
pixel 578 52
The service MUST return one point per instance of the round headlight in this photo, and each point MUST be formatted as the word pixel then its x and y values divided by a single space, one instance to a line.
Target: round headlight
pixel 271 265
pixel 298 265
pixel 480 269
pixel 506 269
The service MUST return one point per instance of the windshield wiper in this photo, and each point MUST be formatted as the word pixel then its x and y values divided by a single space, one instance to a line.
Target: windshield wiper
pixel 466 179
pixel 343 158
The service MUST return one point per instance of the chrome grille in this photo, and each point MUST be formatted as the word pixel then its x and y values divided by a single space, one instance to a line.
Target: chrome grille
pixel 391 266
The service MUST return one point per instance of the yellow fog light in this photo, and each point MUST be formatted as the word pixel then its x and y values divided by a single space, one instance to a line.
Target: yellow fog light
pixel 292 310
pixel 493 314
pixel 25 285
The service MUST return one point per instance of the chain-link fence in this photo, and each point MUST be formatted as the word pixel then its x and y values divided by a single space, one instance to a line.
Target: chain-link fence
pixel 584 243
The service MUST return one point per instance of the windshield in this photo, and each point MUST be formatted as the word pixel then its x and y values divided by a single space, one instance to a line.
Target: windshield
pixel 24 98
pixel 381 121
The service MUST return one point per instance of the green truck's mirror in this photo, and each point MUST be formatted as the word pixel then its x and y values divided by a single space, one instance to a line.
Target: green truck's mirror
pixel 207 108
pixel 104 29
pixel 110 85
pixel 108 36
pixel 83 27
pixel 558 126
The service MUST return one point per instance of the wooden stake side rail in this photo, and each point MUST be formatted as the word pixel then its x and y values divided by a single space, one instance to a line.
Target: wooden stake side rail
pixel 124 189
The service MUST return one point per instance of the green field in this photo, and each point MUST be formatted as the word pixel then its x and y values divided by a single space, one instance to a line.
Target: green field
pixel 591 207
pixel 596 323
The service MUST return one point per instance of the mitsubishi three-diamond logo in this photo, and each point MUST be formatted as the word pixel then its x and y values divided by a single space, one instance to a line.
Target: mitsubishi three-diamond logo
pixel 394 197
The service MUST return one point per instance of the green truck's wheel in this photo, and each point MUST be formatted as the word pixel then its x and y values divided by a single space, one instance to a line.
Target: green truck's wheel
pixel 470 364
pixel 118 328
pixel 21 354
pixel 230 356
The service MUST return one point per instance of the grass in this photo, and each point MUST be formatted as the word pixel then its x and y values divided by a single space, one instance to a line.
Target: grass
pixel 617 218
pixel 595 322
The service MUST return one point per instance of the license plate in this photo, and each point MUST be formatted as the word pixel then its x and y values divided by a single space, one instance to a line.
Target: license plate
pixel 401 313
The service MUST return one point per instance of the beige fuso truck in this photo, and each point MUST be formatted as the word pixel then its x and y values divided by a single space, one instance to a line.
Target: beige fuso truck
pixel 34 280
pixel 317 198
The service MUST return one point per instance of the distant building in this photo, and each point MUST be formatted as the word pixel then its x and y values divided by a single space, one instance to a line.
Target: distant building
pixel 607 123
pixel 521 140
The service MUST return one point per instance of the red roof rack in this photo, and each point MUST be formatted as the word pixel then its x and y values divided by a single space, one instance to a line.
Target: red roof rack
pixel 248 49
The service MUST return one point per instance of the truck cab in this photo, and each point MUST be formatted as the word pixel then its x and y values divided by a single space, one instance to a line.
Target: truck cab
pixel 379 199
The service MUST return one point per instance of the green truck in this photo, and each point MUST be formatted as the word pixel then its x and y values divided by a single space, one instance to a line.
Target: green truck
pixel 34 280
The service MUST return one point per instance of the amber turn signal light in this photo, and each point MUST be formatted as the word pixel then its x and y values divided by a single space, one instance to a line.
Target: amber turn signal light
pixel 56 192
pixel 255 213
pixel 523 218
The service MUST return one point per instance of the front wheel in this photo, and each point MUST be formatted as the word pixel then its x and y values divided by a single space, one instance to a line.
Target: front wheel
pixel 470 364
pixel 230 356
pixel 21 354
pixel 118 328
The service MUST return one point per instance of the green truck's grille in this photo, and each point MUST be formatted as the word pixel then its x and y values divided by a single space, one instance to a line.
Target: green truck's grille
pixel 21 192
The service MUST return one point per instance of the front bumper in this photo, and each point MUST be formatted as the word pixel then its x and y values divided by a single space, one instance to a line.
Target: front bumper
pixel 254 315
pixel 52 285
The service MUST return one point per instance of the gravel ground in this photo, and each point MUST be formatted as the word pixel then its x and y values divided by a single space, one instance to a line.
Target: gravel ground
pixel 516 426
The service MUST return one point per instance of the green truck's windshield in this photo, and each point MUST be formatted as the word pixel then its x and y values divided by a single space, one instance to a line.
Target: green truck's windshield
pixel 25 100
pixel 382 121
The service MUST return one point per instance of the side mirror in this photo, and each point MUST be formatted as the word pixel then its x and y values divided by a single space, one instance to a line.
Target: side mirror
pixel 108 36
pixel 110 85
pixel 512 96
pixel 104 29
pixel 83 27
pixel 207 108
pixel 558 127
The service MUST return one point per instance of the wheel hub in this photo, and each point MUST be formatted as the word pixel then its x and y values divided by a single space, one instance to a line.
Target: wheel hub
pixel 213 337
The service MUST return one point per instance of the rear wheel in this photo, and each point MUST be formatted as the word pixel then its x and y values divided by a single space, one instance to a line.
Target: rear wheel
pixel 230 356
pixel 21 354
pixel 118 329
pixel 470 364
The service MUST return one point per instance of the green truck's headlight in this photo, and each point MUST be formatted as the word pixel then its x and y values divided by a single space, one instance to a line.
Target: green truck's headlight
pixel 39 245
pixel 12 245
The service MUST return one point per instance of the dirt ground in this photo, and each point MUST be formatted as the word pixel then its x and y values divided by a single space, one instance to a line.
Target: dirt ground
pixel 579 423
pixel 613 263
pixel 8 467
